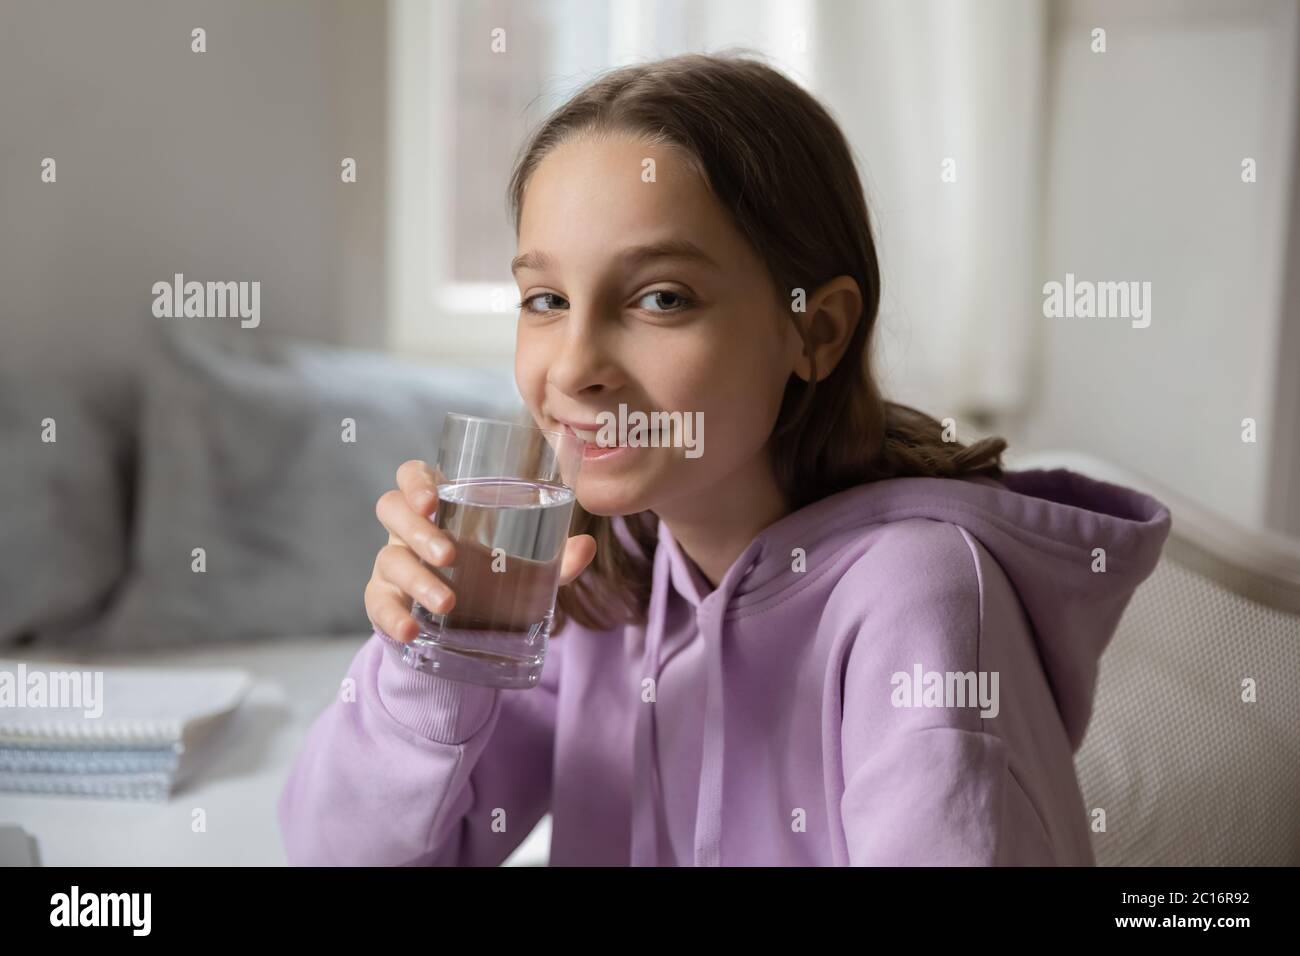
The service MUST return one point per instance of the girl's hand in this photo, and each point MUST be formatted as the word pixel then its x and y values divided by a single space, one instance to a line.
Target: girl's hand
pixel 398 578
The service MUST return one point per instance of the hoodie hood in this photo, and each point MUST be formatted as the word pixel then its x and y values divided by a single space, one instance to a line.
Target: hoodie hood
pixel 1052 532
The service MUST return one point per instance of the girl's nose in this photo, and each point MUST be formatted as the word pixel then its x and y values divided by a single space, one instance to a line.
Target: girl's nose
pixel 584 361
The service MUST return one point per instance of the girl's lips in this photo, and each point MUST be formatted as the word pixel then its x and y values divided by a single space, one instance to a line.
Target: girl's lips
pixel 596 453
pixel 591 451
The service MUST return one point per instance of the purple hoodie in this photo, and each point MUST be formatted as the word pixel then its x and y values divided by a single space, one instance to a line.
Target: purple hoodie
pixel 899 673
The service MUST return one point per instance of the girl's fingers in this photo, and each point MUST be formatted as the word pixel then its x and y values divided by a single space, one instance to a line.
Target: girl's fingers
pixel 419 484
pixel 398 566
pixel 578 553
pixel 390 611
pixel 407 527
pixel 400 574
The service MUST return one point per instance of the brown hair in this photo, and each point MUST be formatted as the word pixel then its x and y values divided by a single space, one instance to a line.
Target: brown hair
pixel 780 165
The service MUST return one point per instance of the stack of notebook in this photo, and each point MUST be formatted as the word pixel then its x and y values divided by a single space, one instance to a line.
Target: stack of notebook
pixel 125 732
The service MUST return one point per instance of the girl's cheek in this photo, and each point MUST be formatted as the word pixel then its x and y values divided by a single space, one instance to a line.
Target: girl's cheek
pixel 530 374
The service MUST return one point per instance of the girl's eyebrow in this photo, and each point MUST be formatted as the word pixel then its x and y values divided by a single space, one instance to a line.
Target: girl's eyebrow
pixel 633 256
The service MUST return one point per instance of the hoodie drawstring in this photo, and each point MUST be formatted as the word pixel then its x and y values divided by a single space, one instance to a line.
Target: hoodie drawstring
pixel 645 770
pixel 708 812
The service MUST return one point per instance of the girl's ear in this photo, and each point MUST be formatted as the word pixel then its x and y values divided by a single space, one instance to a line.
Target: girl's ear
pixel 827 325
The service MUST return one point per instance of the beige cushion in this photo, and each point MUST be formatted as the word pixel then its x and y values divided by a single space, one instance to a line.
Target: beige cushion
pixel 1187 772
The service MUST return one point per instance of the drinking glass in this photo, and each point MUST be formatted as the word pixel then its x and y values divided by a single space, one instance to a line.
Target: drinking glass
pixel 505 498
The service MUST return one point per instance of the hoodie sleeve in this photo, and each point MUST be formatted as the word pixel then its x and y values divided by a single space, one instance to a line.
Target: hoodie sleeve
pixel 924 786
pixel 933 797
pixel 405 768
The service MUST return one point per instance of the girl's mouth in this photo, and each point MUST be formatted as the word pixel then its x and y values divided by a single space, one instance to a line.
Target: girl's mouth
pixel 591 450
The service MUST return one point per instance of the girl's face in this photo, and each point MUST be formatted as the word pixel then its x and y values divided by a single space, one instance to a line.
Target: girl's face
pixel 645 294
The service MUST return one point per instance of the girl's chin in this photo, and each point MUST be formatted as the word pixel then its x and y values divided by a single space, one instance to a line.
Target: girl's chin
pixel 607 502
pixel 607 509
pixel 616 490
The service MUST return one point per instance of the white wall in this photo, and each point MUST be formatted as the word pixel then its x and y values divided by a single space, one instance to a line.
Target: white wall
pixel 1143 182
pixel 222 165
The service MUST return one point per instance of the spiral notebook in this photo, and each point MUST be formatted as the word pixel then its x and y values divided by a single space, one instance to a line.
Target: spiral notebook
pixel 128 732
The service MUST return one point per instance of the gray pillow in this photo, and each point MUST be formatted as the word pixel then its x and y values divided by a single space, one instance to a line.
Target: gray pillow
pixel 242 455
pixel 63 504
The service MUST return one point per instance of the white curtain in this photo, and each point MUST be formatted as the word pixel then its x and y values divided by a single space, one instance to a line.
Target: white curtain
pixel 914 83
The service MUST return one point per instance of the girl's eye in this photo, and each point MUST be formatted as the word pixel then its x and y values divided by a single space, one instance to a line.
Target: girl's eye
pixel 663 301
pixel 528 306
pixel 676 302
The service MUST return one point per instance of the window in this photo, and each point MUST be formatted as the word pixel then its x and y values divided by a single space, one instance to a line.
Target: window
pixel 464 101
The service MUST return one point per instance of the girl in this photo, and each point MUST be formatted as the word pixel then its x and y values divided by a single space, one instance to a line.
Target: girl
pixel 831 638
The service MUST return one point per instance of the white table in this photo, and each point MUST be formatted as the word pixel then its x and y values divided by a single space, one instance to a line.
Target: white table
pixel 240 772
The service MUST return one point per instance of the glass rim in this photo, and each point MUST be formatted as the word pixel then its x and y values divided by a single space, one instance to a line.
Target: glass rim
pixel 498 421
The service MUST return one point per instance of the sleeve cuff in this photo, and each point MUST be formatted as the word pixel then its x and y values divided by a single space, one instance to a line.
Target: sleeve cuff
pixel 435 707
